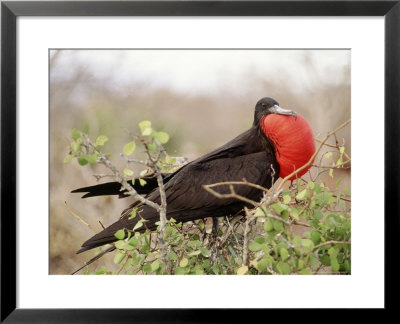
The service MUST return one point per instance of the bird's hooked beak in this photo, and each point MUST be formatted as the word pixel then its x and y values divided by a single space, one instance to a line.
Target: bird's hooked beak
pixel 280 111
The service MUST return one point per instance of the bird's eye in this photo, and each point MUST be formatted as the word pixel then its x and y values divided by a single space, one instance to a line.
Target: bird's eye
pixel 264 105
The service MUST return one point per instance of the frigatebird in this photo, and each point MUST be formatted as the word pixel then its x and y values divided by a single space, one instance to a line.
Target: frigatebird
pixel 278 142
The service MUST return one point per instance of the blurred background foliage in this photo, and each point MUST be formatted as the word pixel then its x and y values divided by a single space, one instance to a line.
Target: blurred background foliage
pixel 201 98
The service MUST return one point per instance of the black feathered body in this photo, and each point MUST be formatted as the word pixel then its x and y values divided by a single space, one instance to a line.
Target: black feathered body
pixel 249 156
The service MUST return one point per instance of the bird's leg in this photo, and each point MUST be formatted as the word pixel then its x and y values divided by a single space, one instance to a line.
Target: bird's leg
pixel 214 241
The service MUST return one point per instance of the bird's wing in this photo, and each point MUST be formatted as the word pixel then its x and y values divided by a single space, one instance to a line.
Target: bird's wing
pixel 185 190
pixel 115 188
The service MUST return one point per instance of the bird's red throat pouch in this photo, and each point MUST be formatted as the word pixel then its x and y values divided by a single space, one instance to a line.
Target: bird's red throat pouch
pixel 293 140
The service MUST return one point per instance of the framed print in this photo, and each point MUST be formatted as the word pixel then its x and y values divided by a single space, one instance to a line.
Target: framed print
pixel 65 64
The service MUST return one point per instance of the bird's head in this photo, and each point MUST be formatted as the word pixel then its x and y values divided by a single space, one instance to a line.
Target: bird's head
pixel 266 106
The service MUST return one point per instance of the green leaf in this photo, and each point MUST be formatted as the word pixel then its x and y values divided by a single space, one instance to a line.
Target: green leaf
pixel 180 271
pixel 194 253
pixel 147 268
pixel 120 235
pixel 334 263
pixel 327 155
pixel 341 149
pixel 297 241
pixel 313 261
pixel 82 161
pixel 145 127
pixel 172 256
pixel 119 256
pixel 260 240
pixel 305 271
pixel 325 260
pixel 133 213
pixel 170 160
pixel 151 147
pixel 284 253
pixel 260 211
pixel 120 244
pixel 277 225
pixel 128 172
pixel 206 253
pixel 194 244
pixel 129 148
pixel 162 137
pixel 315 237
pixel 138 225
pixel 333 251
pixel 338 182
pixel 168 231
pixel 263 263
pixel 302 194
pixel 201 224
pixel 92 159
pixel 101 140
pixel 184 262
pixel 242 270
pixel 68 158
pixel 155 265
pixel 254 246
pixel 317 214
pixel 294 213
pixel 76 146
pixel 331 173
pixel 287 199
pixel 134 242
pixel 283 268
pixel 76 134
pixel 323 198
pixel 347 266
pixel 268 226
pixel 279 208
pixel 142 182
pixel 308 245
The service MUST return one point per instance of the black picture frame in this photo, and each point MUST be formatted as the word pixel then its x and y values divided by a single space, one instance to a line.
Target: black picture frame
pixel 10 11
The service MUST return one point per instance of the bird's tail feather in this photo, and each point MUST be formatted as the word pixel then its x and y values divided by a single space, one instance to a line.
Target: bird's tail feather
pixel 107 235
pixel 114 188
pixel 110 249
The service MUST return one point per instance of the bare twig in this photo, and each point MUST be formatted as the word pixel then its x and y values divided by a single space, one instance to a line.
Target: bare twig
pixel 101 224
pixel 331 242
pixel 100 176
pixel 334 146
pixel 79 218
pixel 247 228
pixel 163 207
pixel 230 195
pixel 244 182
pixel 339 166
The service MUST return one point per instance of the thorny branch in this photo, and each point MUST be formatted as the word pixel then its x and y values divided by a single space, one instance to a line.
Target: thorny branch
pixel 161 209
pixel 103 159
